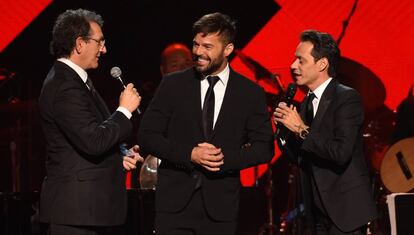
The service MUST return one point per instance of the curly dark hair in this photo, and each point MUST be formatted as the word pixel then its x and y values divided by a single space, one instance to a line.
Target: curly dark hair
pixel 70 25
pixel 216 23
pixel 324 46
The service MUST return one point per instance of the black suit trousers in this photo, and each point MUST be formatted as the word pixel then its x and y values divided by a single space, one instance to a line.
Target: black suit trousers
pixel 192 220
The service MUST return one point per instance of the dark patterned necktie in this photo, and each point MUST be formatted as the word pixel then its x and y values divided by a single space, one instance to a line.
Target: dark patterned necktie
pixel 208 107
pixel 90 85
pixel 309 108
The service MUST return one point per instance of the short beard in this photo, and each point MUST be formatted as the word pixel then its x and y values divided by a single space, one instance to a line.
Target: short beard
pixel 211 68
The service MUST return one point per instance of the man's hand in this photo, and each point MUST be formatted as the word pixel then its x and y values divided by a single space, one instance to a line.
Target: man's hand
pixel 130 98
pixel 130 161
pixel 207 156
pixel 289 117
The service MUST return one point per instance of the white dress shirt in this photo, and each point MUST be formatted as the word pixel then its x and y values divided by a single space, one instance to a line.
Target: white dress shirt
pixel 318 95
pixel 219 91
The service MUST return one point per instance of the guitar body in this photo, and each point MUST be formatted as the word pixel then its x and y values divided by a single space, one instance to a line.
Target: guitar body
pixel 397 167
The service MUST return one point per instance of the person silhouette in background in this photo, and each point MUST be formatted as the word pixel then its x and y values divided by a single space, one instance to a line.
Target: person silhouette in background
pixel 175 57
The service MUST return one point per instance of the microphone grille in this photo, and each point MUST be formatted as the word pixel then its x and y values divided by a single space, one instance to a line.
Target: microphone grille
pixel 116 72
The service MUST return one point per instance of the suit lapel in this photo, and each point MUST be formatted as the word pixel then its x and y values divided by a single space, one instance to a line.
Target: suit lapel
pixel 228 99
pixel 303 108
pixel 195 98
pixel 101 105
pixel 97 101
pixel 326 99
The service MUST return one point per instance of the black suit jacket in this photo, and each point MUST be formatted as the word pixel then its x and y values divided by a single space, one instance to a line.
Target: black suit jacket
pixel 172 127
pixel 85 179
pixel 334 151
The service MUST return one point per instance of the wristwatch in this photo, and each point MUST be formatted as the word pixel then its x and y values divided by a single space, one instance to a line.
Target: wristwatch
pixel 304 132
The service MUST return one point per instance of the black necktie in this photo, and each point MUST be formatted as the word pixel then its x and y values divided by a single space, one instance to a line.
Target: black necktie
pixel 208 107
pixel 306 170
pixel 309 108
pixel 90 85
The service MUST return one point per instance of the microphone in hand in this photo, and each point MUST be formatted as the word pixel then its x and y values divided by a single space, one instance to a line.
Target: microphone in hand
pixel 116 73
pixel 287 98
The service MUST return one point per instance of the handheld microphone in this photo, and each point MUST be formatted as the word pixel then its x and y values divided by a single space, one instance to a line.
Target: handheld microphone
pixel 116 73
pixel 287 98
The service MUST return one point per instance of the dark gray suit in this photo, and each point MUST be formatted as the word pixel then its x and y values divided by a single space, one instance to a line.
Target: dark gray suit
pixel 85 180
pixel 332 154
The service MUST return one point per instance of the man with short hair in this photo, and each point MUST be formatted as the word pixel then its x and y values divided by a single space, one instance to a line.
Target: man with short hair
pixel 84 190
pixel 326 141
pixel 197 123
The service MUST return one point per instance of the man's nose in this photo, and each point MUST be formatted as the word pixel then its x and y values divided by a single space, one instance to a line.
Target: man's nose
pixel 294 65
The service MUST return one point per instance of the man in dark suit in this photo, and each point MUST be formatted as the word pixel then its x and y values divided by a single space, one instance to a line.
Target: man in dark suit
pixel 326 141
pixel 84 190
pixel 205 123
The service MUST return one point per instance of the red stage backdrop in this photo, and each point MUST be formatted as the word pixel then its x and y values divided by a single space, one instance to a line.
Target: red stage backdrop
pixel 377 44
pixel 17 15
pixel 379 39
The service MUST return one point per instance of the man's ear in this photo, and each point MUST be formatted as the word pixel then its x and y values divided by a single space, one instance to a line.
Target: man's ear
pixel 79 45
pixel 229 49
pixel 323 64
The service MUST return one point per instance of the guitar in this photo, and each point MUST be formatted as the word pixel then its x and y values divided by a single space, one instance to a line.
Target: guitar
pixel 397 167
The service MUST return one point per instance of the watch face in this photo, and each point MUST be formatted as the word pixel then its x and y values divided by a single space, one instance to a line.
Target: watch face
pixel 304 133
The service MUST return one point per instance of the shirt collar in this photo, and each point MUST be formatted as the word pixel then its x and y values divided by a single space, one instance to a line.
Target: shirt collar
pixel 80 71
pixel 321 88
pixel 223 75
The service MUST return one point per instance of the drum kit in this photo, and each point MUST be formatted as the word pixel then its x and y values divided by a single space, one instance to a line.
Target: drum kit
pixel 377 134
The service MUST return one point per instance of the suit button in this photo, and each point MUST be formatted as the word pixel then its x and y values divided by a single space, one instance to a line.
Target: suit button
pixel 194 175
